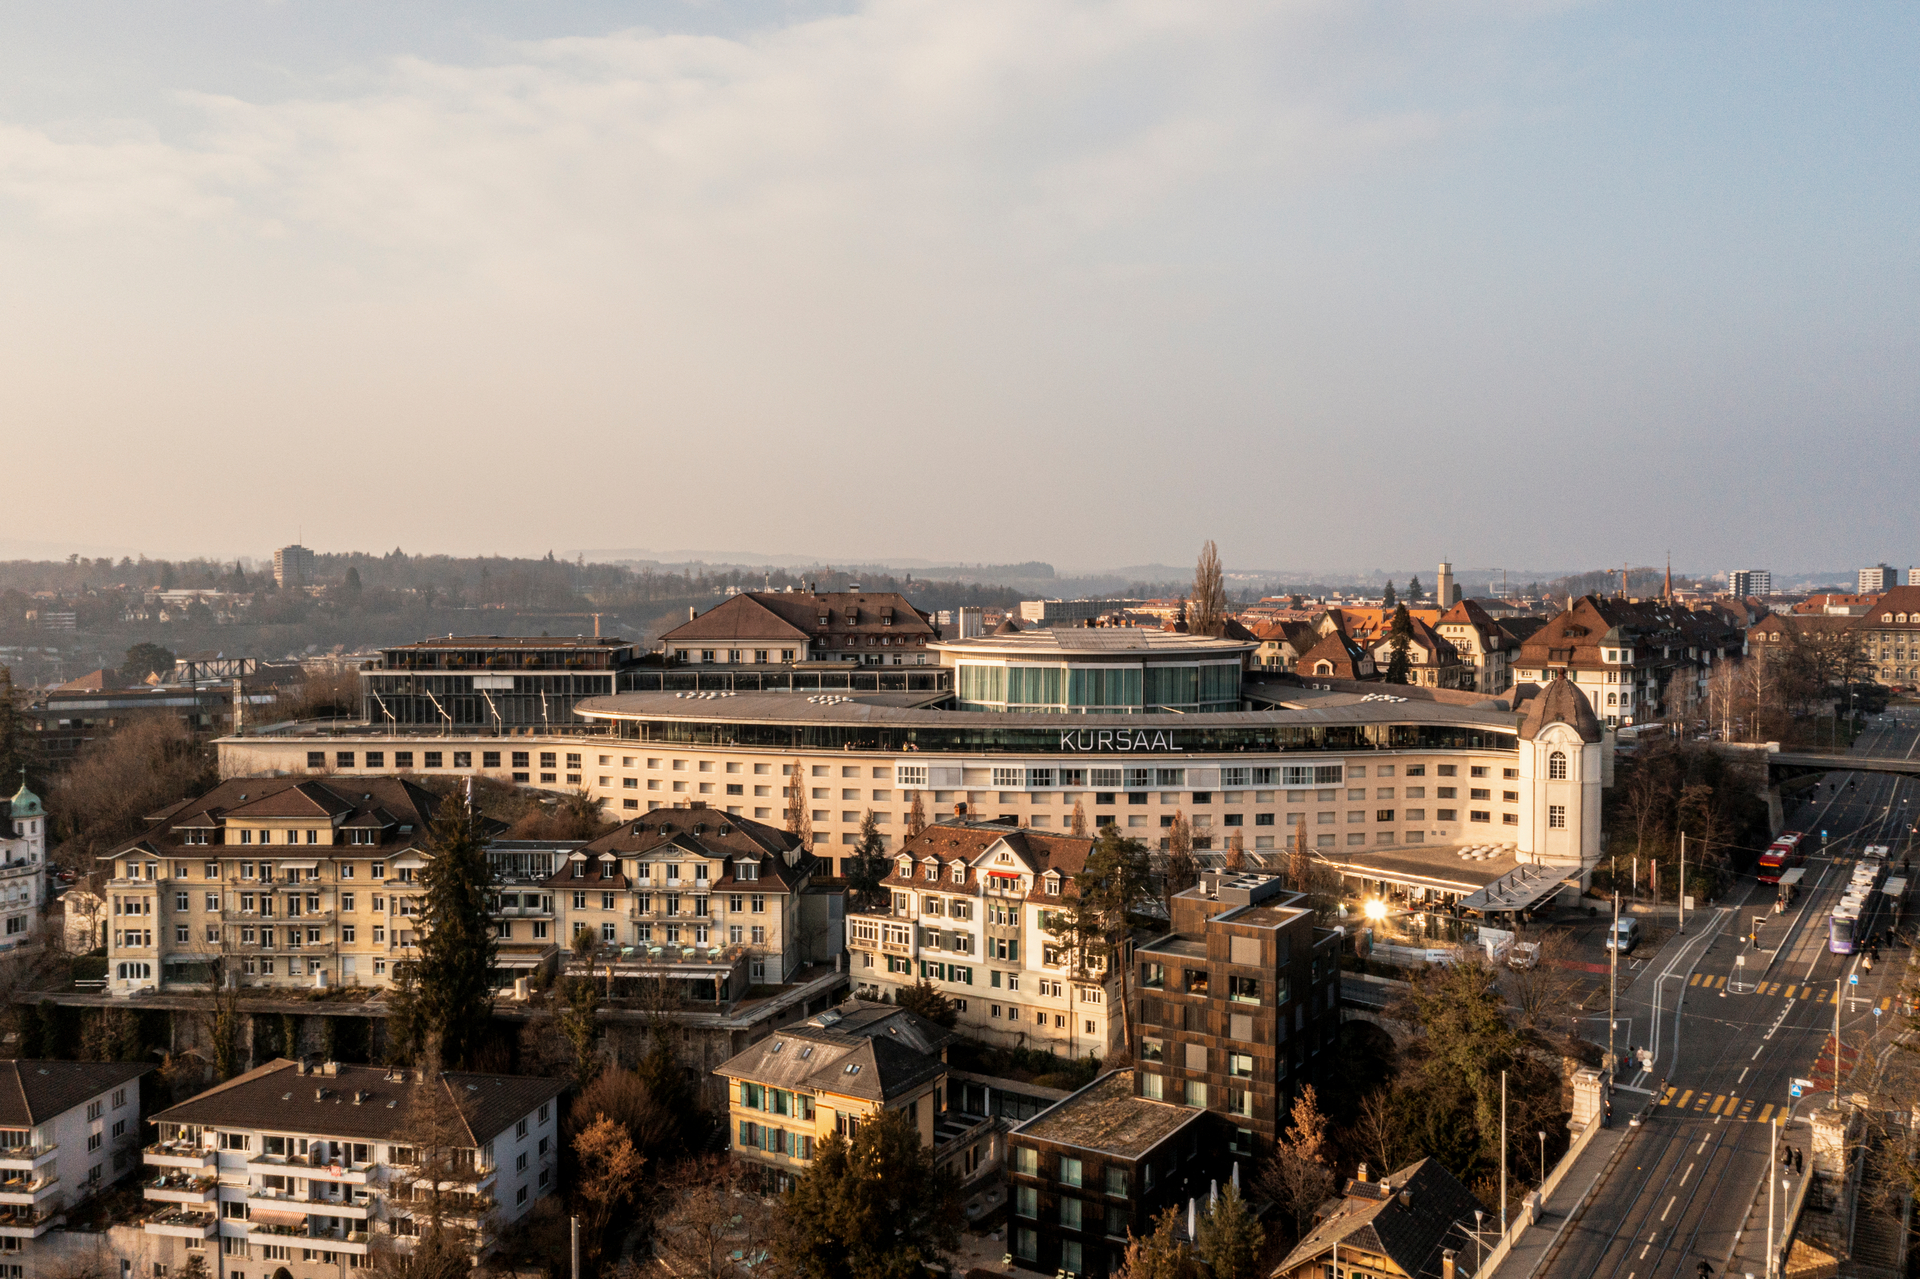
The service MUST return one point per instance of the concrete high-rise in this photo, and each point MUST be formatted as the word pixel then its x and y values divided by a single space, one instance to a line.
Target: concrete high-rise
pixel 1878 578
pixel 1742 582
pixel 292 566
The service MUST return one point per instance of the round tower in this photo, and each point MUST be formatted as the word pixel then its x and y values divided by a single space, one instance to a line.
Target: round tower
pixel 29 820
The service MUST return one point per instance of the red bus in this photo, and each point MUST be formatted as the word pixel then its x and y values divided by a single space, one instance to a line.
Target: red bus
pixel 1784 854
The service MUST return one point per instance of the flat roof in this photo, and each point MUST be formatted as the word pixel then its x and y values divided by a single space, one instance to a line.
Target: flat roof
pixel 513 641
pixel 1096 641
pixel 896 708
pixel 1107 1117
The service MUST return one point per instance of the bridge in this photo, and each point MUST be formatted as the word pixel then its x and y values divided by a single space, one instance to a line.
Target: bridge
pixel 1787 765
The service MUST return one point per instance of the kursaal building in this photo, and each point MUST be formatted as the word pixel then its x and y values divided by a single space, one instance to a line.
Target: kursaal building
pixel 1490 803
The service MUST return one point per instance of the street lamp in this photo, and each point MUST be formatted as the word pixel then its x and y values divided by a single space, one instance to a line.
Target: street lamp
pixel 1543 1162
pixel 1375 909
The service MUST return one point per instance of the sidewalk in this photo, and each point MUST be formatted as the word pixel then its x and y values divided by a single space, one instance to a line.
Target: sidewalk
pixel 1566 1196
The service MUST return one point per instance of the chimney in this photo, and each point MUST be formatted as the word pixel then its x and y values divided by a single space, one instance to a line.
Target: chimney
pixel 692 612
pixel 239 707
pixel 1446 1264
pixel 1360 1173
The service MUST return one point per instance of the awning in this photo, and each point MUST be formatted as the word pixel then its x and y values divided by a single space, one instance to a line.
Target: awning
pixel 506 962
pixel 1520 888
pixel 1792 877
pixel 313 865
pixel 410 863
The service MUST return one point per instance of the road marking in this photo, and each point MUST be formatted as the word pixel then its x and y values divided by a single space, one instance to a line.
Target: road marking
pixel 1683 1098
pixel 1756 1053
pixel 1686 1174
pixel 1701 1147
pixel 1718 1102
pixel 1669 1208
pixel 1886 1003
pixel 1743 1074
pixel 1644 1251
pixel 1765 1112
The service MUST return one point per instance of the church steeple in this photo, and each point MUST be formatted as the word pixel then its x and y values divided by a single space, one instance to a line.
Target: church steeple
pixel 1668 594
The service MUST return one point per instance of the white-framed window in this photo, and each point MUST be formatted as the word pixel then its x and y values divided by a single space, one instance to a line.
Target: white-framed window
pixel 1557 766
pixel 1556 816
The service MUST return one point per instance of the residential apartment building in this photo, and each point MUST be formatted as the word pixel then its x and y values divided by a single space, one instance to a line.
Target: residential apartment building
pixel 1624 654
pixel 1433 661
pixel 967 910
pixel 68 1130
pixel 1742 582
pixel 292 566
pixel 1483 644
pixel 705 901
pixel 270 882
pixel 23 867
pixel 1877 578
pixel 836 1071
pixel 1237 1007
pixel 1282 644
pixel 1890 638
pixel 296 1164
pixel 1094 1169
pixel 759 628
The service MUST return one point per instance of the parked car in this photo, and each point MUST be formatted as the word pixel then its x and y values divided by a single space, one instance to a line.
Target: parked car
pixel 1624 936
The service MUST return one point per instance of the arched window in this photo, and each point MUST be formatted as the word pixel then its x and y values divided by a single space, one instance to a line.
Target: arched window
pixel 1557 766
pixel 1323 668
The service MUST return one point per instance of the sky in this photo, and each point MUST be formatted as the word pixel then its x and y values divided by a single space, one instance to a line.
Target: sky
pixel 1334 284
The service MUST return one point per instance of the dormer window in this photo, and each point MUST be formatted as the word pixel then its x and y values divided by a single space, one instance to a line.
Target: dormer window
pixel 905 868
pixel 746 870
pixel 1053 885
pixel 579 870
pixel 933 871
pixel 959 873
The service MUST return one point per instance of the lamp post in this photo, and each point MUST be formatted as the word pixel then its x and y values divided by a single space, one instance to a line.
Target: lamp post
pixel 1543 1160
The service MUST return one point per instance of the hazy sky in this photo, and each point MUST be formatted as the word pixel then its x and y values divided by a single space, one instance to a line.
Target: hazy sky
pixel 1338 284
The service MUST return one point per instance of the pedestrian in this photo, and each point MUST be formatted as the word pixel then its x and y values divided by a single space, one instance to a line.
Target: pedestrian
pixel 1799 1164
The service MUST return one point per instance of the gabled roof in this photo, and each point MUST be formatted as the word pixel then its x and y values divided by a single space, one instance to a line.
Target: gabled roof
pixel 303 799
pixel 277 1097
pixel 795 615
pixel 1337 648
pixel 346 801
pixel 978 844
pixel 705 833
pixel 743 617
pixel 861 1049
pixel 32 1092
pixel 1409 1216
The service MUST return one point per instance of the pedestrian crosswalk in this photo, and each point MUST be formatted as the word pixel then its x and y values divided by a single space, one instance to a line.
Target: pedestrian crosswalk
pixel 1723 1105
pixel 1816 994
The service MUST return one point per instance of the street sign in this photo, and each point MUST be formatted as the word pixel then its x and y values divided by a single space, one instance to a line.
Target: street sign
pixel 1800 1086
pixel 1878 1011
pixel 1853 979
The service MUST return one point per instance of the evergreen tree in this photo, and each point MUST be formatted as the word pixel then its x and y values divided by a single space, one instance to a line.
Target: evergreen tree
pixel 1115 882
pixel 1399 659
pixel 352 583
pixel 146 659
pixel 868 865
pixel 916 815
pixel 448 997
pixel 1415 591
pixel 1230 1236
pixel 1387 598
pixel 17 752
pixel 872 1208
pixel 924 999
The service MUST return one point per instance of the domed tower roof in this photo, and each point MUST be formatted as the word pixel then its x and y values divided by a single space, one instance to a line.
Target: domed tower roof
pixel 1561 703
pixel 25 802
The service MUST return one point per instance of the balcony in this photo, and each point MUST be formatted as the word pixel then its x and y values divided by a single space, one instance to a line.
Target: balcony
pixel 25 1187
pixel 180 1188
pixel 344 1173
pixel 309 1233
pixel 30 1223
pixel 285 1201
pixel 179 1223
pixel 179 1154
pixel 27 1157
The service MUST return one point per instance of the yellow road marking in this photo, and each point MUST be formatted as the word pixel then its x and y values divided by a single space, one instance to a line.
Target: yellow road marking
pixel 1695 981
pixel 1683 1099
pixel 1718 1102
pixel 1765 1112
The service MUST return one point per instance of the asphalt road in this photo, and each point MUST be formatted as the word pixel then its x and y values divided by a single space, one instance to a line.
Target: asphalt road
pixel 1728 1040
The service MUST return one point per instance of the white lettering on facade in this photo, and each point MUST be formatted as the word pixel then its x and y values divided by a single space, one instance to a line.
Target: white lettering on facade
pixel 1106 739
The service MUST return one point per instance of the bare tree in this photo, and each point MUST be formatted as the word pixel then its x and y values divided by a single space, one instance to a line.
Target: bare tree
pixel 1298 1176
pixel 1207 613
pixel 713 1226
pixel 1540 991
pixel 1182 872
pixel 1079 818
pixel 799 816
pixel 916 815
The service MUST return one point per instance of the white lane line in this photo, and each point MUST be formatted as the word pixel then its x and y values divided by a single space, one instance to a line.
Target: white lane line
pixel 1743 1073
pixel 1644 1251
pixel 1688 1173
pixel 1669 1208
pixel 1701 1148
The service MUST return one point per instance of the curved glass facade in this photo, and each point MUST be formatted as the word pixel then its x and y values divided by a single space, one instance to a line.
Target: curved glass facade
pixel 1102 689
